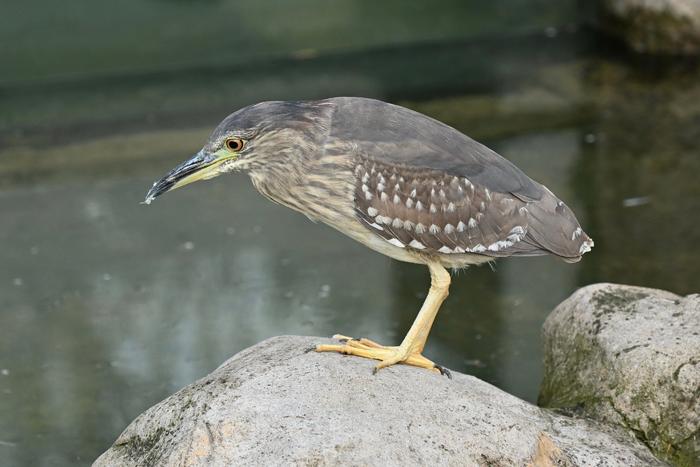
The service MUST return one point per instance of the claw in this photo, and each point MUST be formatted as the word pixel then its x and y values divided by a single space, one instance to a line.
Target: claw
pixel 444 371
pixel 342 338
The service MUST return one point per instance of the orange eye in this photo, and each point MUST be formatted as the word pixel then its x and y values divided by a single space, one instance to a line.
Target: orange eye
pixel 235 144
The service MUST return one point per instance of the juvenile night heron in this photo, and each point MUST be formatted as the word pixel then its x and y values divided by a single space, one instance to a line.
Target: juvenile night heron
pixel 397 181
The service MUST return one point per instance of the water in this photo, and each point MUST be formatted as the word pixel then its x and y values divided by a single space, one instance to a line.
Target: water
pixel 107 306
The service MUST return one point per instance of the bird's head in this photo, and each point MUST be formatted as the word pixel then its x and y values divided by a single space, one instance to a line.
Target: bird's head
pixel 259 138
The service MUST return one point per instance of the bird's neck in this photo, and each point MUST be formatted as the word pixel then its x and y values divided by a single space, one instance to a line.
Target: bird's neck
pixel 279 185
pixel 321 187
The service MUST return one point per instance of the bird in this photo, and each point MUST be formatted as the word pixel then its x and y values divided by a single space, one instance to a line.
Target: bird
pixel 399 182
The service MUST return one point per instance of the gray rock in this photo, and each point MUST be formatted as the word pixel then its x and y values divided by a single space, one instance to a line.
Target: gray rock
pixel 277 404
pixel 654 26
pixel 629 356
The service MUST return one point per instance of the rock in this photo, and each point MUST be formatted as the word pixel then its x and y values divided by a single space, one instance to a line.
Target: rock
pixel 278 404
pixel 629 356
pixel 654 26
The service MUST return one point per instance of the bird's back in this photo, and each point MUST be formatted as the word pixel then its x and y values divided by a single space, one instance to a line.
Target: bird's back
pixel 421 184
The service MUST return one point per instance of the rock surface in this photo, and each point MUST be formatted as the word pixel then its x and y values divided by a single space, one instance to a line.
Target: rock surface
pixel 654 26
pixel 629 356
pixel 278 404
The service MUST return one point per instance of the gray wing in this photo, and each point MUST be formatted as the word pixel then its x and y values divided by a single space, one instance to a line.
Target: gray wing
pixel 429 210
pixel 397 135
pixel 427 186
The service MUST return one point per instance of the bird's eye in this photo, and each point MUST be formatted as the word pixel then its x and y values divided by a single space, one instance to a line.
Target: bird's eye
pixel 235 144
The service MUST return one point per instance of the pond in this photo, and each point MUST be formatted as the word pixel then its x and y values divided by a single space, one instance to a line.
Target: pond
pixel 107 306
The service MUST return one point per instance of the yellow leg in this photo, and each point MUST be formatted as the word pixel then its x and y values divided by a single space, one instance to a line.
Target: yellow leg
pixel 410 350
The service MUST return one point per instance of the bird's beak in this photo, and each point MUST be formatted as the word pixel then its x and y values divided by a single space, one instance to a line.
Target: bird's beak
pixel 202 166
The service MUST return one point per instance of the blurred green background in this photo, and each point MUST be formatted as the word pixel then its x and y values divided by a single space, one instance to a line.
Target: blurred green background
pixel 108 306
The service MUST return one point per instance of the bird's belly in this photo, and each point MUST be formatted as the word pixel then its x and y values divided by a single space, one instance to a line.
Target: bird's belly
pixel 409 255
pixel 378 244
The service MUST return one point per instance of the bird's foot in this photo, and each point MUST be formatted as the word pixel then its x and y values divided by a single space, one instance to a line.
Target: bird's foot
pixel 387 356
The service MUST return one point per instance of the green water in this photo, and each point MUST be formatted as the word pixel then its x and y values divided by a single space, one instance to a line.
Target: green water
pixel 107 306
